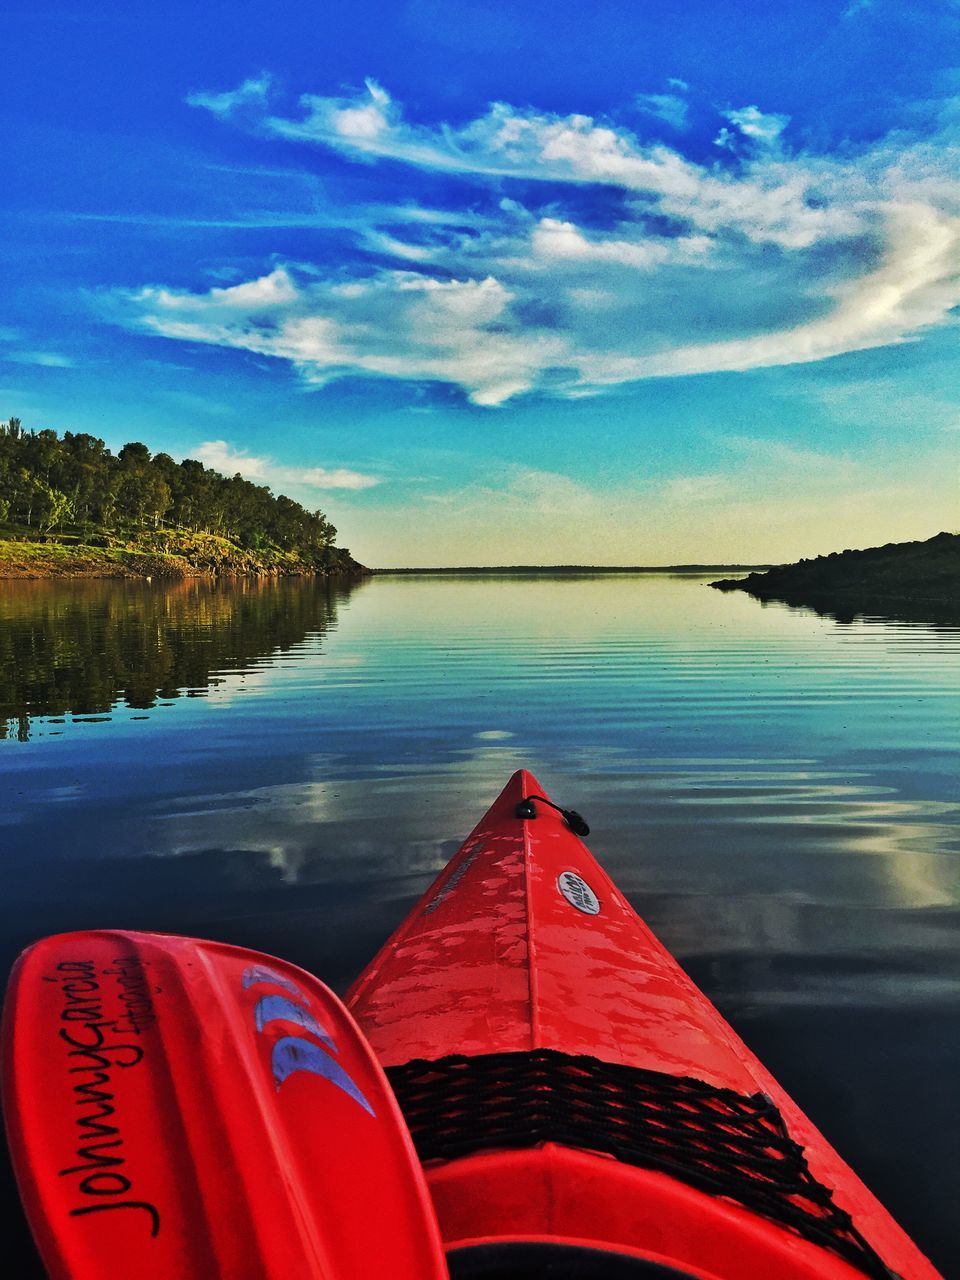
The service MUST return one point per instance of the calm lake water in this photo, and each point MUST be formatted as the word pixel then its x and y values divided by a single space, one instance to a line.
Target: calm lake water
pixel 288 765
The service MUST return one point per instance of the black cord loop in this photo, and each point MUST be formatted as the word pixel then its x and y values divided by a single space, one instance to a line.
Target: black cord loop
pixel 574 820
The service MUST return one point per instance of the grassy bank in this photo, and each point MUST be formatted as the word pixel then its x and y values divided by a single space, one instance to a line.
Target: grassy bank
pixel 162 553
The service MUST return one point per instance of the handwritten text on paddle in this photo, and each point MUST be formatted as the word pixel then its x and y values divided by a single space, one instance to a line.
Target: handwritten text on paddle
pixel 98 1046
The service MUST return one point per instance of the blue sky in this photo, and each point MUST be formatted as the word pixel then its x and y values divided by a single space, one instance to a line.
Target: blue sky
pixel 500 284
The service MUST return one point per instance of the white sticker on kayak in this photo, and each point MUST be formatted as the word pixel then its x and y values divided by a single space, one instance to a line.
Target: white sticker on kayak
pixel 578 893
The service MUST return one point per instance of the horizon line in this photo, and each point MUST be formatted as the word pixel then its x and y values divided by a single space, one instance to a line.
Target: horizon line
pixel 575 568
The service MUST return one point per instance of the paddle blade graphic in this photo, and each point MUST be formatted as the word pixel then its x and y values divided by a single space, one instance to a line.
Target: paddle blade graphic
pixel 190 1110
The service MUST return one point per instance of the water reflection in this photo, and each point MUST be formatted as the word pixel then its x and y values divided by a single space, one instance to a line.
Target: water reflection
pixel 933 613
pixel 777 795
pixel 82 648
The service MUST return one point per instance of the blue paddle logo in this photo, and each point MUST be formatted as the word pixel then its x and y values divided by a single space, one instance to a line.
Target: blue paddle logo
pixel 293 1053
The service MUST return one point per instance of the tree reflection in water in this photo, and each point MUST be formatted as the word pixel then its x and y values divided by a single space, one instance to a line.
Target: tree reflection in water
pixel 83 648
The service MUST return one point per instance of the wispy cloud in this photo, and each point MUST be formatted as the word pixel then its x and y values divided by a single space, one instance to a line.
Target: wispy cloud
pixel 766 256
pixel 780 457
pixel 540 492
pixel 529 515
pixel 251 96
pixel 669 107
pixel 12 351
pixel 697 489
pixel 44 359
pixel 223 457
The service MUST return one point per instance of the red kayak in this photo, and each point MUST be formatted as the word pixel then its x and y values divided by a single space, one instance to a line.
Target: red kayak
pixel 580 1108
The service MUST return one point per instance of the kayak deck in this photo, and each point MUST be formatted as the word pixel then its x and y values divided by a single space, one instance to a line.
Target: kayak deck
pixel 568 1085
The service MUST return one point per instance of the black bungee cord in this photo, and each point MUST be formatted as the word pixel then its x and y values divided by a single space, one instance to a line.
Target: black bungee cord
pixel 573 819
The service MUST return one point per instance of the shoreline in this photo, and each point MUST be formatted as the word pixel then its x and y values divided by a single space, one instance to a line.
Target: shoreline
pixel 197 558
pixel 909 580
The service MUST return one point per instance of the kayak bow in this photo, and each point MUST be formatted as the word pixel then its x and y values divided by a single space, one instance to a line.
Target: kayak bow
pixel 580 1107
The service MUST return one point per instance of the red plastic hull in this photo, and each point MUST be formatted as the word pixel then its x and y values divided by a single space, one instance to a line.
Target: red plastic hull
pixel 523 943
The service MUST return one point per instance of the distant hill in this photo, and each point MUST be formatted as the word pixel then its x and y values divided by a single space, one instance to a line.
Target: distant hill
pixel 912 580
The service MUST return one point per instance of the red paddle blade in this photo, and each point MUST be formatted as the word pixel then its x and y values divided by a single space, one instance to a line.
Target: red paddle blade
pixel 186 1110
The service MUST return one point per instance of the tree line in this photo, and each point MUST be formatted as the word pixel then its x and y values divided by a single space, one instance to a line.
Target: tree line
pixel 50 483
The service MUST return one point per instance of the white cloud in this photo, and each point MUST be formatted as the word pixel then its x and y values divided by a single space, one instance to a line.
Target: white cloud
pixel 763 257
pixel 366 122
pixel 506 142
pixel 396 324
pixel 916 285
pixel 554 239
pixel 223 457
pixel 220 456
pixel 324 478
pixel 763 127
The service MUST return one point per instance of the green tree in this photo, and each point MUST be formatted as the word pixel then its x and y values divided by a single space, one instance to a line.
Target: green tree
pixel 53 507
pixel 46 482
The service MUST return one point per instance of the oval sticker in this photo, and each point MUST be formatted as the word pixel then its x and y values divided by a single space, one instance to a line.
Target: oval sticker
pixel 578 893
